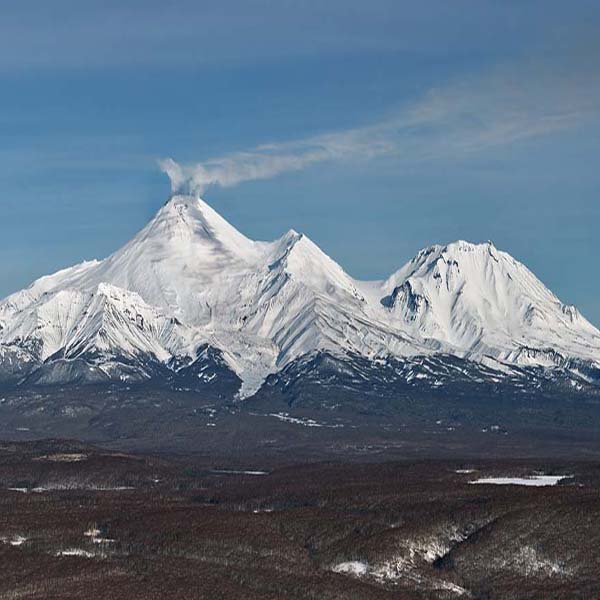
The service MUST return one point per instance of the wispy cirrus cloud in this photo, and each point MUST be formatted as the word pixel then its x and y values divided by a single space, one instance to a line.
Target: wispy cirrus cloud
pixel 453 121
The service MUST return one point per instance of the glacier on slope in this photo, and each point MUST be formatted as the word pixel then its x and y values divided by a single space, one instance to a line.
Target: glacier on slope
pixel 189 280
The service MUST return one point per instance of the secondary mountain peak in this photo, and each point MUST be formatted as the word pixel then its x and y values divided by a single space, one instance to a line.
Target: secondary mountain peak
pixel 483 302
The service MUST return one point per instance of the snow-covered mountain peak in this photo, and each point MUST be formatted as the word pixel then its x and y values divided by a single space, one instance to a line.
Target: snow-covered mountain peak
pixel 190 279
pixel 190 220
pixel 482 301
pixel 300 258
pixel 460 261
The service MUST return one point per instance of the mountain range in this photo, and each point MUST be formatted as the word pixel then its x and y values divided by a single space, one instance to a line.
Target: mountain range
pixel 192 302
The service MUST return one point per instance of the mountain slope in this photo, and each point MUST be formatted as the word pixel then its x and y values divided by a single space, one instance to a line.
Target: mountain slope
pixel 190 281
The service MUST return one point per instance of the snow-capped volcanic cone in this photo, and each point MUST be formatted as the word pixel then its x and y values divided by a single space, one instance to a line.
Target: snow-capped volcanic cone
pixel 190 281
pixel 482 302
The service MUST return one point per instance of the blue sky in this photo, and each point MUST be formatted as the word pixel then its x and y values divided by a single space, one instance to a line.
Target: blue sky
pixel 376 128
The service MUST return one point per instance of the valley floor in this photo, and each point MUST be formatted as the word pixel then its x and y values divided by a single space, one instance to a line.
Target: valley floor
pixel 269 430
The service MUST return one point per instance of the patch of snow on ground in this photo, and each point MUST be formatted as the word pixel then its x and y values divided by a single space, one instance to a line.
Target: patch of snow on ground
pixel 357 568
pixel 63 457
pixel 92 532
pixel 306 422
pixel 95 536
pixel 532 481
pixel 15 540
pixel 299 421
pixel 404 568
pixel 101 540
pixel 237 472
pixel 58 487
pixel 407 564
pixel 452 587
pixel 75 552
pixel 529 562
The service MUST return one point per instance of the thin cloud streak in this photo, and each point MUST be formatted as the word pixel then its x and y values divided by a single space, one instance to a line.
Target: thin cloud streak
pixel 453 122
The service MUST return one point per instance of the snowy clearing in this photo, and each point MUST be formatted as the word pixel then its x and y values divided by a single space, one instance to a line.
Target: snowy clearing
pixel 300 421
pixel 15 540
pixel 532 481
pixel 238 472
pixel 75 552
pixel 353 567
pixel 63 457
pixel 69 487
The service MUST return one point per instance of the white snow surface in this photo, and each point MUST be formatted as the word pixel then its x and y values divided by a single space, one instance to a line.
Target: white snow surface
pixel 75 552
pixel 533 481
pixel 15 540
pixel 190 278
pixel 352 567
